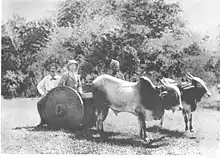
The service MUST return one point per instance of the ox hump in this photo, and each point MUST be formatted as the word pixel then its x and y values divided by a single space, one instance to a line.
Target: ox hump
pixel 108 79
pixel 146 79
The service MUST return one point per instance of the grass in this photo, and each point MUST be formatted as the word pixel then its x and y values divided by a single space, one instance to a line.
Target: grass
pixel 19 134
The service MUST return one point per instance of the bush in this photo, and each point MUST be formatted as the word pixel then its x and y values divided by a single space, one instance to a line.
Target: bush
pixel 11 82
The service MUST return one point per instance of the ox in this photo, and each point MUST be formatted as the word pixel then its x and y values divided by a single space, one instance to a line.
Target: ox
pixel 141 98
pixel 191 93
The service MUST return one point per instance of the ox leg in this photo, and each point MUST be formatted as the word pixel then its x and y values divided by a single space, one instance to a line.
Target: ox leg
pixel 102 114
pixel 190 123
pixel 185 120
pixel 161 122
pixel 101 120
pixel 97 116
pixel 99 125
pixel 141 119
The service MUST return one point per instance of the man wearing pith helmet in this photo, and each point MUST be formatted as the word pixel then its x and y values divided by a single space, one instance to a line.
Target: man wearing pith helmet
pixel 71 78
pixel 45 85
pixel 115 67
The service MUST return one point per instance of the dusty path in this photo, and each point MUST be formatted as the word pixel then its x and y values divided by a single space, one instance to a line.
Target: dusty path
pixel 17 135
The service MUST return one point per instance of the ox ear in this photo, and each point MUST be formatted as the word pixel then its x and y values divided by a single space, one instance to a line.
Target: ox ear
pixel 160 89
pixel 163 94
pixel 163 88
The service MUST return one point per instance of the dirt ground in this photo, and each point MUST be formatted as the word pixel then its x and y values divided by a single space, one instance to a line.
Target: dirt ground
pixel 18 134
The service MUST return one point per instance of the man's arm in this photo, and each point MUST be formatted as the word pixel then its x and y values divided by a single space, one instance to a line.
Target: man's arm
pixel 122 76
pixel 79 85
pixel 41 86
pixel 62 80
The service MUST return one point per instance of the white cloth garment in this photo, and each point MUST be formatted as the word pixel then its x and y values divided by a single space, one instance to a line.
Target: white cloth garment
pixel 47 83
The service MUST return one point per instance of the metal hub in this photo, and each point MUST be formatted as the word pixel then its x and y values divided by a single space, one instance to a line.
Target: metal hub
pixel 60 110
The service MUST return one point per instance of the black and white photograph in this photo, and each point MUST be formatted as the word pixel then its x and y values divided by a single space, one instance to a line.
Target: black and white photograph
pixel 110 77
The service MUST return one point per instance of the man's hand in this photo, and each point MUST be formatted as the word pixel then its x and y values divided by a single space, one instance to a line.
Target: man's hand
pixel 45 93
pixel 80 90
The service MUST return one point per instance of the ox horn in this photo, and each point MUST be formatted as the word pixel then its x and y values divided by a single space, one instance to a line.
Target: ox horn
pixel 189 76
pixel 163 82
pixel 189 87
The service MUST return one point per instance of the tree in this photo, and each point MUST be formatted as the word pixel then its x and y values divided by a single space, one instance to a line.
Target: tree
pixel 109 27
pixel 22 40
pixel 213 65
pixel 148 37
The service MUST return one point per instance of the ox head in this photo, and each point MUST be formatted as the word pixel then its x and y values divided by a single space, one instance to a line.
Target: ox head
pixel 199 84
pixel 171 95
pixel 167 93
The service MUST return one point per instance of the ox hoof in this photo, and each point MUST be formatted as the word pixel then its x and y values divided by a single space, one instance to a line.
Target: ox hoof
pixel 192 130
pixel 186 130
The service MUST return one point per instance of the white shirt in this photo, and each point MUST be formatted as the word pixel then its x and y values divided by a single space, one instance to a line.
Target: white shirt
pixel 46 84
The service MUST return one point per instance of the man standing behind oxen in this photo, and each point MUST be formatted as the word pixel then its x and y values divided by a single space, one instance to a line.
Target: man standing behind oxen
pixel 45 85
pixel 115 67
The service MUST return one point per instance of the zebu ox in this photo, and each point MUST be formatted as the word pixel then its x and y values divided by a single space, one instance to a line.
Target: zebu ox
pixel 140 98
pixel 191 93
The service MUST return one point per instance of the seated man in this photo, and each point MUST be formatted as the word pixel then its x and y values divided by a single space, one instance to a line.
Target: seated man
pixel 44 86
pixel 71 78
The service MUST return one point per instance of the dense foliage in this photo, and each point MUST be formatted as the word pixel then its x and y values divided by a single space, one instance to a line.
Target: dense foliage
pixel 148 37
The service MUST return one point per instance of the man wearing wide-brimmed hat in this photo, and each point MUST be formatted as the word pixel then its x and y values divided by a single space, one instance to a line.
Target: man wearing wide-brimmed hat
pixel 115 67
pixel 45 85
pixel 71 78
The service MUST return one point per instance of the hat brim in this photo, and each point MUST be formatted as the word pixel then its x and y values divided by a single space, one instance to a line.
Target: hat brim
pixel 53 65
pixel 67 66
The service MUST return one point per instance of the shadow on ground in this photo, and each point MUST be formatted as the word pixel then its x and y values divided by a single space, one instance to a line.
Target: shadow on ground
pixel 213 105
pixel 123 139
pixel 167 132
pixel 77 133
pixel 37 129
pixel 115 138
